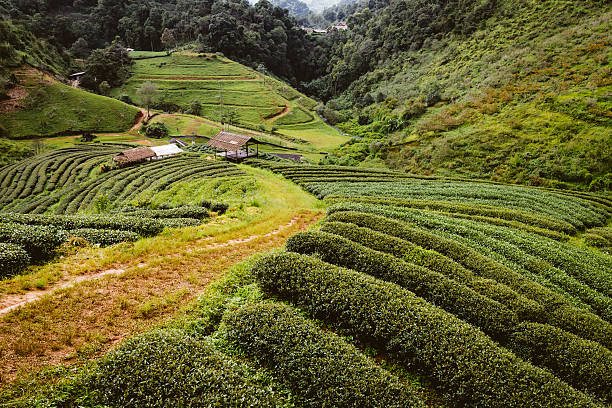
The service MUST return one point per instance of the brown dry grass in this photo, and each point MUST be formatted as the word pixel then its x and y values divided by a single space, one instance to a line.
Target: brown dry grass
pixel 87 320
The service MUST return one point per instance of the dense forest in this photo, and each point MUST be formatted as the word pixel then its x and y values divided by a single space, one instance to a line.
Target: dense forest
pixel 259 34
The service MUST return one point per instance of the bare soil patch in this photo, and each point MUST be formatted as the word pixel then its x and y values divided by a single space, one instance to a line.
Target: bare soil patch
pixel 15 103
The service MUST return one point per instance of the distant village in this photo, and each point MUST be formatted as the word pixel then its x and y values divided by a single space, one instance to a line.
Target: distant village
pixel 337 27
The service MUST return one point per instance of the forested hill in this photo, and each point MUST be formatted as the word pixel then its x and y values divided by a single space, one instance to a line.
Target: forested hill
pixel 258 34
pixel 512 90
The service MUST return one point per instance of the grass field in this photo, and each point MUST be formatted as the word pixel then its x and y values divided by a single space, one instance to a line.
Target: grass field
pixel 51 108
pixel 223 86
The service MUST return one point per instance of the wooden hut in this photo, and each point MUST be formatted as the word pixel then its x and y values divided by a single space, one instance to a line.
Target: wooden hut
pixel 133 156
pixel 232 145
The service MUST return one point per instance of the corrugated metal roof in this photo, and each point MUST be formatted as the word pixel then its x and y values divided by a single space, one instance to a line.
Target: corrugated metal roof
pixel 229 141
pixel 166 150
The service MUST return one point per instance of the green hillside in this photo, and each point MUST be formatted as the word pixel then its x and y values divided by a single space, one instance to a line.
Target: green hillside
pixel 219 84
pixel 45 107
pixel 524 97
pixel 230 92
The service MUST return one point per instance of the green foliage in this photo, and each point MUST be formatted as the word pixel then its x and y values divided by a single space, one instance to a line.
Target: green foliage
pixel 11 151
pixel 104 237
pixel 317 366
pixel 582 363
pixel 58 108
pixel 157 130
pixel 557 310
pixel 110 65
pixel 39 241
pixel 160 368
pixel 13 259
pixel 489 315
pixel 414 333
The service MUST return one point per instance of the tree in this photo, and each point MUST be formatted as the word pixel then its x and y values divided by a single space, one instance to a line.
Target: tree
pixel 157 131
pixel 195 107
pixel 167 39
pixel 80 48
pixel 104 88
pixel 110 64
pixel 146 92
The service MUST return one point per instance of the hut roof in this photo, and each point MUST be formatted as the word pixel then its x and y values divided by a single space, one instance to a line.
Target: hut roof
pixel 166 150
pixel 134 155
pixel 229 141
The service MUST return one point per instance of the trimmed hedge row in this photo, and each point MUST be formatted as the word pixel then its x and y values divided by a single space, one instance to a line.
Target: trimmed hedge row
pixel 140 225
pixel 180 222
pixel 580 265
pixel 179 212
pixel 525 308
pixel 492 317
pixel 38 241
pixel 319 367
pixel 584 364
pixel 171 368
pixel 565 269
pixel 104 237
pixel 469 209
pixel 13 259
pixel 466 364
pixel 558 311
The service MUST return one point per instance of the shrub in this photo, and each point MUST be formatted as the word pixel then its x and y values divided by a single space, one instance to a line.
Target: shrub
pixel 170 368
pixel 13 259
pixel 104 237
pixel 525 308
pixel 38 241
pixel 220 208
pixel 140 225
pixel 582 363
pixel 178 212
pixel 467 365
pixel 157 130
pixel 557 310
pixel 319 367
pixel 492 317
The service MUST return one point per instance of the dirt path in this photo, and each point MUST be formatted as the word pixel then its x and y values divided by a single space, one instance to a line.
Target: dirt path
pixel 285 111
pixel 85 316
pixel 14 302
pixel 139 121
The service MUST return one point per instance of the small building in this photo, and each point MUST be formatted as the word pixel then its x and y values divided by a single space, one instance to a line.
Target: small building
pixel 341 26
pixel 232 145
pixel 77 76
pixel 145 153
pixel 133 156
pixel 161 152
pixel 178 142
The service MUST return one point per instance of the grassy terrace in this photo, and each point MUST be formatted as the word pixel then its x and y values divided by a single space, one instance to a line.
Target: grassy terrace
pixel 51 108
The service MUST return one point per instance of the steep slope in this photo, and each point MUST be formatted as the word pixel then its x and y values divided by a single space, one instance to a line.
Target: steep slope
pixel 42 106
pixel 520 95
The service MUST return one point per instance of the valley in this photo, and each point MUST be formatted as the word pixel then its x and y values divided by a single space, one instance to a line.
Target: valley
pixel 207 204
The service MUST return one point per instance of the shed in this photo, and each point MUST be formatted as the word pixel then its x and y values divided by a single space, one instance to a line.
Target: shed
pixel 133 156
pixel 76 76
pixel 166 150
pixel 232 144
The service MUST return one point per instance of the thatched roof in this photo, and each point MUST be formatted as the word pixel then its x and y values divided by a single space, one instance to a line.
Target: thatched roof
pixel 134 155
pixel 229 141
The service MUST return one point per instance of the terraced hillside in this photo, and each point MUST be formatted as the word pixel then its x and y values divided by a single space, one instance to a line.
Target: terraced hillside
pixel 414 291
pixel 76 192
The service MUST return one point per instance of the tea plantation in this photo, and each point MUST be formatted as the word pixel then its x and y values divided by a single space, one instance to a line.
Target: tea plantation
pixel 77 192
pixel 413 291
